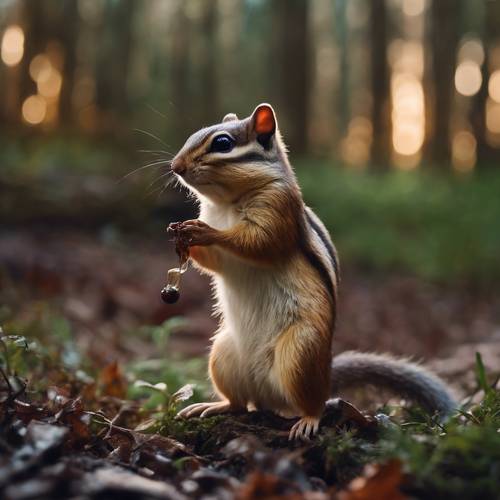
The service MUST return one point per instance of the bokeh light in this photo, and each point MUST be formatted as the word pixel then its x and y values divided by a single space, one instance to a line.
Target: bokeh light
pixel 12 49
pixel 355 148
pixel 407 57
pixel 493 116
pixel 34 109
pixel 40 68
pixel 464 151
pixel 468 78
pixel 408 119
pixel 471 49
pixel 414 7
pixel 494 86
pixel 50 86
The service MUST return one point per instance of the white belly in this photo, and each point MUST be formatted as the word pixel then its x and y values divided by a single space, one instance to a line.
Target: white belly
pixel 256 304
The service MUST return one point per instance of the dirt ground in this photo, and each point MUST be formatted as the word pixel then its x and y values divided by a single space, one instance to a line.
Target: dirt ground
pixel 108 284
pixel 85 440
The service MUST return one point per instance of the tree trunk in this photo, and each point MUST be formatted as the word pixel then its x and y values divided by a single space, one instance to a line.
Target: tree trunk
pixel 35 27
pixel 486 154
pixel 113 61
pixel 342 105
pixel 379 85
pixel 208 63
pixel 443 39
pixel 68 23
pixel 179 73
pixel 291 63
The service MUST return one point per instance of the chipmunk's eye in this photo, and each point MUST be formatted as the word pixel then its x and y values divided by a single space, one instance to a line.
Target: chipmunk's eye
pixel 222 144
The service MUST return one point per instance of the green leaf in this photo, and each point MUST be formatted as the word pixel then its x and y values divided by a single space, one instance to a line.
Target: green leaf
pixel 481 374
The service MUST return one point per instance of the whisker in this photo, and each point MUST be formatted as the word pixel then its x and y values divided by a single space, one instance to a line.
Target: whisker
pixel 152 164
pixel 159 178
pixel 149 134
pixel 156 111
pixel 161 188
pixel 154 151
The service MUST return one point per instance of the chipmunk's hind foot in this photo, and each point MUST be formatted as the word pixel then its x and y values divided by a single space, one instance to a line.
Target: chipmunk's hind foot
pixel 304 429
pixel 206 409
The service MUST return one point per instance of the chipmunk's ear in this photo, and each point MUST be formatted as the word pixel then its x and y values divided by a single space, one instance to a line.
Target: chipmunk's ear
pixel 229 118
pixel 263 122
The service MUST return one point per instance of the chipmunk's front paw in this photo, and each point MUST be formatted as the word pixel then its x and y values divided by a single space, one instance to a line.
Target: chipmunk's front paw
pixel 206 409
pixel 197 233
pixel 304 429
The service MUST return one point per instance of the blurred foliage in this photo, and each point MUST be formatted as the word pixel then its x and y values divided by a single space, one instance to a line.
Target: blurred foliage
pixel 43 352
pixel 439 227
pixel 442 228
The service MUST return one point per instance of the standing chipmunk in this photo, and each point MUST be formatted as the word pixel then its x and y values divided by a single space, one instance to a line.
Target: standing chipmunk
pixel 275 276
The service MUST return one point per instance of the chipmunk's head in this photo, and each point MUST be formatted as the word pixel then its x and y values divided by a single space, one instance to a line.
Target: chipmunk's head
pixel 231 158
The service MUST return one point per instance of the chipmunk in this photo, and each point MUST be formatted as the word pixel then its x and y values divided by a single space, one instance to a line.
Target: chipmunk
pixel 275 276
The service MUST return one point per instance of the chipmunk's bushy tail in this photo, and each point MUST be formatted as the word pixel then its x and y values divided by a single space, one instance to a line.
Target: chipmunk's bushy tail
pixel 401 376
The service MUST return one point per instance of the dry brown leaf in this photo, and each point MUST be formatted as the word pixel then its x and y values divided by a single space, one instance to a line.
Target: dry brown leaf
pixel 112 381
pixel 378 482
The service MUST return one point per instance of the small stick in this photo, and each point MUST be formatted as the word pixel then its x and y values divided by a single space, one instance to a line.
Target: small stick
pixel 170 292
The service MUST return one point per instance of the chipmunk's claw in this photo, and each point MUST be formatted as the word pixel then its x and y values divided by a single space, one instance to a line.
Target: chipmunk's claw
pixel 304 429
pixel 198 233
pixel 205 409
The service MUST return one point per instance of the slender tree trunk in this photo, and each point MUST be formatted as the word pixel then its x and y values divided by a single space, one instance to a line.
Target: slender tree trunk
pixel 113 61
pixel 35 26
pixel 380 84
pixel 179 72
pixel 486 155
pixel 291 64
pixel 208 63
pixel 69 23
pixel 342 103
pixel 443 39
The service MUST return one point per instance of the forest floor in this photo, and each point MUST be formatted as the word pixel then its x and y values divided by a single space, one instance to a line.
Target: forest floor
pixel 89 393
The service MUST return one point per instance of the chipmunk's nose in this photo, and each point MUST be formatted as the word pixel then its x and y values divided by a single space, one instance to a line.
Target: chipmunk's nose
pixel 179 166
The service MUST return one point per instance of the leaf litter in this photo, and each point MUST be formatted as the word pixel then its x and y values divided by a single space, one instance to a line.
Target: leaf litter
pixel 71 430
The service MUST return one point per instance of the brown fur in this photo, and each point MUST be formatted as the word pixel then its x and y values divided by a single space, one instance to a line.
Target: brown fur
pixel 269 229
pixel 303 351
pixel 222 367
pixel 206 257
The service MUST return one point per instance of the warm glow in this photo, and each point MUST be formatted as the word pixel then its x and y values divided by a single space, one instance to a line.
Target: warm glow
pixel 83 92
pixel 413 7
pixel 468 78
pixel 87 117
pixel 52 113
pixel 407 139
pixel 40 68
pixel 50 86
pixel 406 57
pixel 355 148
pixel 471 50
pixel 12 45
pixel 494 86
pixel 493 116
pixel 464 151
pixel 34 109
pixel 404 162
pixel 408 118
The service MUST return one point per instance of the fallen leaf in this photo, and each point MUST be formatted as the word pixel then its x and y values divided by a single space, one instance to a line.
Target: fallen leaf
pixel 377 482
pixel 112 381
